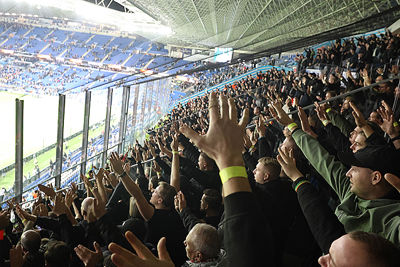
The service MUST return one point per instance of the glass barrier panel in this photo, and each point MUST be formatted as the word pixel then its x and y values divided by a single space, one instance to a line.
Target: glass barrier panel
pixel 40 137
pixel 115 116
pixel 73 125
pixel 7 141
pixel 97 118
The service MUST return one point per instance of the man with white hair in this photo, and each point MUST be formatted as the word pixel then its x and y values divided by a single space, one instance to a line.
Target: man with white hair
pixel 203 247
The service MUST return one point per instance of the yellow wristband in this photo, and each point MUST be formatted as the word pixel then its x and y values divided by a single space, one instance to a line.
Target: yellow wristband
pixel 175 152
pixel 24 221
pixel 325 122
pixel 395 124
pixel 328 110
pixel 231 172
pixel 292 126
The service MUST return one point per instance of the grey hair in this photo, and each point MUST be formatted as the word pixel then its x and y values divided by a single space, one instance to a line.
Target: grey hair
pixel 206 240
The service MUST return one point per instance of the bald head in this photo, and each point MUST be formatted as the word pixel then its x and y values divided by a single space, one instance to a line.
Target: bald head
pixel 86 205
pixel 30 241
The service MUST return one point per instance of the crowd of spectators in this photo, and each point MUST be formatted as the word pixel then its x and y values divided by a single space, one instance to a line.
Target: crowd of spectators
pixel 63 51
pixel 352 53
pixel 321 186
pixel 211 77
pixel 38 77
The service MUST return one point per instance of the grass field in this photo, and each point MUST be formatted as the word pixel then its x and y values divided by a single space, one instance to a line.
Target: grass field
pixel 43 160
pixel 40 127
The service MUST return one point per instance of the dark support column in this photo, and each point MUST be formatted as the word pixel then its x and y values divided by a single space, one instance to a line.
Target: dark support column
pixel 60 140
pixel 85 134
pixel 124 115
pixel 19 146
pixel 107 126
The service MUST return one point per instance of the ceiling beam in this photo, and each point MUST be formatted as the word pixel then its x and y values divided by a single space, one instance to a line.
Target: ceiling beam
pixel 198 15
pixel 255 19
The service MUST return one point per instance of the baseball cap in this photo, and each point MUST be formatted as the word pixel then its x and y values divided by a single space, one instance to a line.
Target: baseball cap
pixel 380 158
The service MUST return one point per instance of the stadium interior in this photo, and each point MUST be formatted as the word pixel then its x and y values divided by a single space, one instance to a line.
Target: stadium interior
pixel 110 106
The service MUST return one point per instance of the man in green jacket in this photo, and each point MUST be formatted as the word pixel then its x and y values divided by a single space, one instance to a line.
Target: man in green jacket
pixel 367 201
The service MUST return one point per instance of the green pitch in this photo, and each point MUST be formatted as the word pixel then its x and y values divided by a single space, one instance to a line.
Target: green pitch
pixel 40 127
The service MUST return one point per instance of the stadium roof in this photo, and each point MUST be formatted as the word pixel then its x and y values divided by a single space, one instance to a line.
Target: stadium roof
pixel 255 26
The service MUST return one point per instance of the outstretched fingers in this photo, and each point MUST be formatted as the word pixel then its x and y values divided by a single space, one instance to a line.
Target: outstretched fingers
pixel 213 108
pixel 224 110
pixel 393 180
pixel 162 250
pixel 141 250
pixel 122 257
pixel 191 134
pixel 245 119
pixel 232 109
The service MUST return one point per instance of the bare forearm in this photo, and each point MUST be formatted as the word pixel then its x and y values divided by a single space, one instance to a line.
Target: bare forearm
pixel 76 210
pixel 145 209
pixel 175 179
pixel 71 217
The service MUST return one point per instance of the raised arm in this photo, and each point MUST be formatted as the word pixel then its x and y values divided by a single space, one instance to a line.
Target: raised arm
pixel 247 234
pixel 323 223
pixel 175 179
pixel 334 172
pixel 145 209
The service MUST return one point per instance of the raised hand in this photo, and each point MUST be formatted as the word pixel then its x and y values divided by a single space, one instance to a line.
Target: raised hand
pixel 174 143
pixel 321 113
pixel 116 163
pixel 59 205
pixel 358 116
pixel 260 126
pixel 393 180
pixel 43 210
pixel 224 138
pixel 87 184
pixel 112 179
pixel 246 142
pixel 70 196
pixel 305 125
pixel 4 219
pixel 23 215
pixel 288 164
pixel 279 114
pixel 360 120
pixel 152 151
pixel 156 167
pixel 48 190
pixel 99 205
pixel 16 256
pixel 99 181
pixel 180 201
pixel 88 257
pixel 144 258
pixel 386 113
